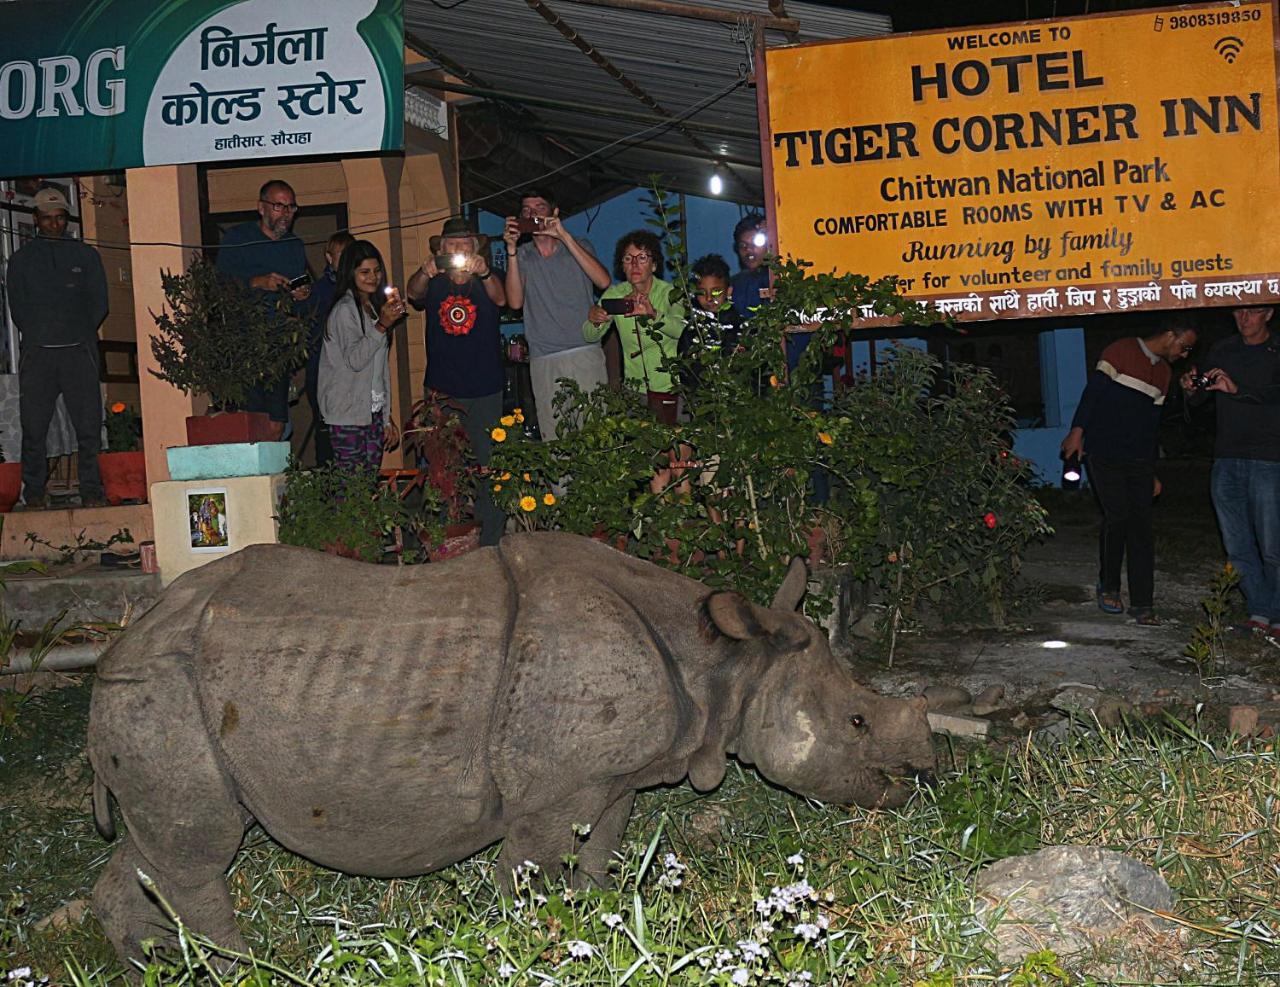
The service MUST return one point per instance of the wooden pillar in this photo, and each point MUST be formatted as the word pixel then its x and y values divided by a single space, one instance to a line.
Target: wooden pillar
pixel 373 213
pixel 164 207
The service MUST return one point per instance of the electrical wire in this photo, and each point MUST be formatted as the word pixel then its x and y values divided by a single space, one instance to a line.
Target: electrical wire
pixel 429 216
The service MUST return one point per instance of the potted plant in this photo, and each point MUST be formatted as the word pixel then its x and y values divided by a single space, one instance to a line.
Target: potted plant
pixel 124 465
pixel 433 435
pixel 218 338
pixel 10 483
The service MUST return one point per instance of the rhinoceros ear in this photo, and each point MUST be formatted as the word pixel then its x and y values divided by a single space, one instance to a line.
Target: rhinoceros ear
pixel 734 616
pixel 791 592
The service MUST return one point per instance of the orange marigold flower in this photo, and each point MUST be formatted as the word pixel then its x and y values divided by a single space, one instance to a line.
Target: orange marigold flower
pixel 497 487
pixel 507 420
pixel 528 504
pixel 527 478
pixel 498 435
pixel 825 438
pixel 773 380
pixel 505 476
pixel 891 557
pixel 549 499
pixel 118 407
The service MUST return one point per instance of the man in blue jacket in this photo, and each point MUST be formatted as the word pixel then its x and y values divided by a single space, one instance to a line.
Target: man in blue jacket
pixel 58 298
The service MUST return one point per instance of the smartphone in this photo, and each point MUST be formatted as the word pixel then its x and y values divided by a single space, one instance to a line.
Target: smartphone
pixel 527 224
pixel 618 306
pixel 446 261
pixel 299 281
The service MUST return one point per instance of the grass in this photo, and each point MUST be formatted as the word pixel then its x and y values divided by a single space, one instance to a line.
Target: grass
pixel 746 879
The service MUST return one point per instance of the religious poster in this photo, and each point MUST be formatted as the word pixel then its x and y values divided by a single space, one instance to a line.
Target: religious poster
pixel 114 84
pixel 207 513
pixel 1108 163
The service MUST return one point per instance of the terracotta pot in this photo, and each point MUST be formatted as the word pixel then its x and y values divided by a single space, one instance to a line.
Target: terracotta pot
pixel 619 541
pixel 229 426
pixel 459 539
pixel 124 476
pixel 10 485
pixel 817 539
pixel 340 549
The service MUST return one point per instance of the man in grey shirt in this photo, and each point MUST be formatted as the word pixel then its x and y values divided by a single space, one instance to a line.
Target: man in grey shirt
pixel 552 278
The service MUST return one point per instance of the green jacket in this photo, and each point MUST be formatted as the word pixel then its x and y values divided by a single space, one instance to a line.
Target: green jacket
pixel 641 355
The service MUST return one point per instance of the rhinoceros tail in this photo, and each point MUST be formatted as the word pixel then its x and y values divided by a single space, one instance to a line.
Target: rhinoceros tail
pixel 102 819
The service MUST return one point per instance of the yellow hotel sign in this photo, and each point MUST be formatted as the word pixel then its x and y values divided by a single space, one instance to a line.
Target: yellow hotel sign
pixel 1095 164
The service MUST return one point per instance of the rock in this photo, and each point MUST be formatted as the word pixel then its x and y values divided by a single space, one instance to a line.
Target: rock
pixel 1163 693
pixel 1054 734
pixel 865 627
pixel 1242 721
pixel 946 697
pixel 1076 698
pixel 1020 721
pixel 1152 709
pixel 1112 710
pixel 72 913
pixel 1266 731
pixel 958 726
pixel 988 700
pixel 1072 900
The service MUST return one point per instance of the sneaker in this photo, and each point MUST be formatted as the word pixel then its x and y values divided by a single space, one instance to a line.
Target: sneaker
pixel 1251 626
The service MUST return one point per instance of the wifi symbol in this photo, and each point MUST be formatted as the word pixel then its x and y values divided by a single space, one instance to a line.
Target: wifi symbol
pixel 1228 47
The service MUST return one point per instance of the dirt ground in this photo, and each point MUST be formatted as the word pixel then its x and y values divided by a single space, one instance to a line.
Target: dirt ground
pixel 1055 603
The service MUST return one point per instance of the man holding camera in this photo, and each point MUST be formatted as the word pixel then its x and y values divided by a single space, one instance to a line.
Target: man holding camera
pixel 552 277
pixel 1243 374
pixel 1117 425
pixel 58 297
pixel 462 300
pixel 267 258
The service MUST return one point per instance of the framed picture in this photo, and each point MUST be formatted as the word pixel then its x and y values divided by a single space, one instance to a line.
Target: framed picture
pixel 208 521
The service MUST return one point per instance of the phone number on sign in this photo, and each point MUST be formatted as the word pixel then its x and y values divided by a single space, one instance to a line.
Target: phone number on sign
pixel 1214 18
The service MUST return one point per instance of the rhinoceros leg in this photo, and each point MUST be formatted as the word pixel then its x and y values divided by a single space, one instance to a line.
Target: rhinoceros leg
pixel 547 837
pixel 603 843
pixel 129 914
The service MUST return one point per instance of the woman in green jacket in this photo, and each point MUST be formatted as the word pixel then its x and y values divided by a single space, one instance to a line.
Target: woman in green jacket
pixel 637 260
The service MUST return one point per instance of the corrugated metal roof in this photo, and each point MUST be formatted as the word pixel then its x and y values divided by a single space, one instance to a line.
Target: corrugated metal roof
pixel 679 62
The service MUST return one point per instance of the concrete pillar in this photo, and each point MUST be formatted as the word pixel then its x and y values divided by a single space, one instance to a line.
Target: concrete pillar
pixel 164 207
pixel 373 213
pixel 1062 375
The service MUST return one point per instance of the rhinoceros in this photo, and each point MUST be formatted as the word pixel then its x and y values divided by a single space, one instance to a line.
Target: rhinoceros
pixel 388 721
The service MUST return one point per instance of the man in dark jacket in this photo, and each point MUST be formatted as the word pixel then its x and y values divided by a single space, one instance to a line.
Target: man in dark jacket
pixel 58 297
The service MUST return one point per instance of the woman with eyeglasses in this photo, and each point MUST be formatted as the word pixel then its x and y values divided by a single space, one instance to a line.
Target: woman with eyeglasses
pixel 641 302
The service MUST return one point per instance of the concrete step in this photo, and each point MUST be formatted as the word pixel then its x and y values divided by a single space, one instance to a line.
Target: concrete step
pixel 87 591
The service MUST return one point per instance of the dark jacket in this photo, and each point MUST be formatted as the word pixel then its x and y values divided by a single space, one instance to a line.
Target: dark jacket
pixel 57 292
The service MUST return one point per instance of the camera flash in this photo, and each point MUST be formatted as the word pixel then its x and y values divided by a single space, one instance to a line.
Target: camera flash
pixel 759 239
pixel 388 290
pixel 458 260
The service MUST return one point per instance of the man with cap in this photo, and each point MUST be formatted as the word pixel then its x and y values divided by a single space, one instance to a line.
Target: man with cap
pixel 58 297
pixel 265 256
pixel 463 300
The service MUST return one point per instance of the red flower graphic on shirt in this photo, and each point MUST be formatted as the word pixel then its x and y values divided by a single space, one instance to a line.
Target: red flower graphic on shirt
pixel 457 315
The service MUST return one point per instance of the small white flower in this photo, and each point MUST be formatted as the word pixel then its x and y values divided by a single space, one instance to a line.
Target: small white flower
pixel 741 976
pixel 723 958
pixel 807 931
pixel 824 923
pixel 766 928
pixel 580 950
pixel 796 859
pixel 581 829
pixel 611 920
pixel 506 971
pixel 751 950
pixel 22 971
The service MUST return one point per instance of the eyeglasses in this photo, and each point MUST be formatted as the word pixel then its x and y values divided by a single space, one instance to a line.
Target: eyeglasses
pixel 634 259
pixel 279 206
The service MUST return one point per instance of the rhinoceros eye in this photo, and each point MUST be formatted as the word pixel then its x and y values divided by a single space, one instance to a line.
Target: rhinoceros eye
pixel 857 721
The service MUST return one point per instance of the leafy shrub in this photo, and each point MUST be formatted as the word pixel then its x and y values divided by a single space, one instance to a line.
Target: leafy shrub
pixel 124 428
pixel 349 512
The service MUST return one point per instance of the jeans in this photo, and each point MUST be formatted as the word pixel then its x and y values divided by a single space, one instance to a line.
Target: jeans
pixel 46 372
pixel 1124 489
pixel 479 415
pixel 1246 497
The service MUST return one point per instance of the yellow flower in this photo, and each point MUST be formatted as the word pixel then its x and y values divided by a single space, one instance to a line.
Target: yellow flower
pixel 824 438
pixel 528 504
pixel 518 414
pixel 773 380
pixel 498 435
pixel 505 476
pixel 118 407
pixel 497 487
pixel 507 420
pixel 549 499
pixel 527 478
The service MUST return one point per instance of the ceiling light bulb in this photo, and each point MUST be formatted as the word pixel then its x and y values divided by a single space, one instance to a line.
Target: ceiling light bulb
pixel 716 184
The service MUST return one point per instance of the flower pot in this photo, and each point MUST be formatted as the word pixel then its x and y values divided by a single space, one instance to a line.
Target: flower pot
pixel 124 476
pixel 10 485
pixel 230 426
pixel 458 540
pixel 619 542
pixel 340 549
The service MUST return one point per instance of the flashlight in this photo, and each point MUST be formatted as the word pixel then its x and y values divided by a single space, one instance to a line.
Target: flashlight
pixel 1071 473
pixel 458 260
pixel 759 239
pixel 388 290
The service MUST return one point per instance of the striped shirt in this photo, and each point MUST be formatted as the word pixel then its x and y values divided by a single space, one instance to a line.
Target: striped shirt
pixel 1122 402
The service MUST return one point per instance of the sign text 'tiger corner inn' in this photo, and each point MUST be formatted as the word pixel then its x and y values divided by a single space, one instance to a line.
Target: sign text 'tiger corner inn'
pixel 1095 164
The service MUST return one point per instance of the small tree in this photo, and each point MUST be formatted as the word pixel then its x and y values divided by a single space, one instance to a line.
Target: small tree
pixel 219 338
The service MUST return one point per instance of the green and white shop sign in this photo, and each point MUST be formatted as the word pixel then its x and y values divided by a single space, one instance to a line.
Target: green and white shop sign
pixel 113 84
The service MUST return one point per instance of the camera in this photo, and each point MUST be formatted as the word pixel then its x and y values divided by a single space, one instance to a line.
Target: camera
pixel 445 262
pixel 1201 382
pixel 302 279
pixel 527 224
pixel 618 306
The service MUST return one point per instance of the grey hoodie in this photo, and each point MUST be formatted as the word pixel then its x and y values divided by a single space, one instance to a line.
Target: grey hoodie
pixel 57 292
pixel 353 364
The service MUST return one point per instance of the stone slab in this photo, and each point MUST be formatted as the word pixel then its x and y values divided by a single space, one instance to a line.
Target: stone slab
pixel 228 459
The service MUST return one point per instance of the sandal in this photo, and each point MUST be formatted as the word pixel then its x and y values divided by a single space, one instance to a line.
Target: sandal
pixel 1145 617
pixel 1110 602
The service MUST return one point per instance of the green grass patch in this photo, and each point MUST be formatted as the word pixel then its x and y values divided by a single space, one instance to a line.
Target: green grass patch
pixel 748 882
